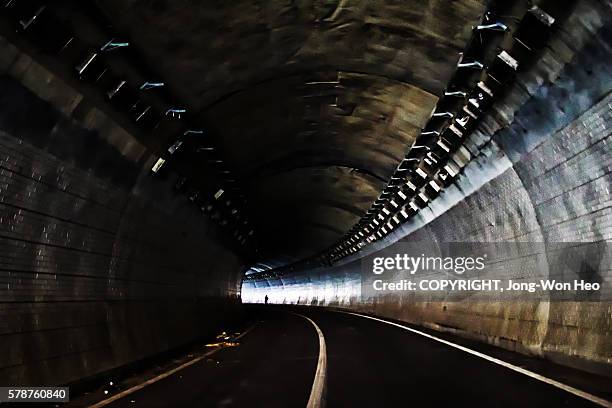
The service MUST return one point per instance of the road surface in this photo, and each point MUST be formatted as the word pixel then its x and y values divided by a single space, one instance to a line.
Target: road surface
pixel 367 363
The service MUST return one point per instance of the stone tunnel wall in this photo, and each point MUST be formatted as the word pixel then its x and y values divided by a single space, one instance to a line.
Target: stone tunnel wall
pixel 100 264
pixel 543 175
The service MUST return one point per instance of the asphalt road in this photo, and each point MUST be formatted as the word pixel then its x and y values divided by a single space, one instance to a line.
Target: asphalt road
pixel 368 364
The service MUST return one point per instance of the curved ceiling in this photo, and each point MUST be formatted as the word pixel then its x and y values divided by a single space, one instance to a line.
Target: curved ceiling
pixel 315 102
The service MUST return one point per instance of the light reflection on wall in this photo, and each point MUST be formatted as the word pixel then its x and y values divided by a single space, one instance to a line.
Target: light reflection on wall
pixel 341 284
pixel 337 289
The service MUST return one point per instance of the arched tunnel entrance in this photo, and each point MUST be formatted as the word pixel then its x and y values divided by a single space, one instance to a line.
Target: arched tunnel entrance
pixel 306 203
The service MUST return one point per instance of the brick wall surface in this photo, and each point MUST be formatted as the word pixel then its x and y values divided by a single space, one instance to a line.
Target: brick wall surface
pixel 559 192
pixel 100 264
pixel 543 175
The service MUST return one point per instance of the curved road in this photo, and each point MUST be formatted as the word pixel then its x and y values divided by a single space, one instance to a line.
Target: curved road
pixel 367 363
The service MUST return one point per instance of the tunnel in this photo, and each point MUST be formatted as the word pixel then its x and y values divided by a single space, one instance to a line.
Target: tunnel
pixel 339 203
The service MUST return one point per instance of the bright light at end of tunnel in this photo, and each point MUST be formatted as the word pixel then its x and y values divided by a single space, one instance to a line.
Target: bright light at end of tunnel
pixel 296 292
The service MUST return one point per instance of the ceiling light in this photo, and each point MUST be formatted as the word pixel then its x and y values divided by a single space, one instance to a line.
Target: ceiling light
pixel 158 165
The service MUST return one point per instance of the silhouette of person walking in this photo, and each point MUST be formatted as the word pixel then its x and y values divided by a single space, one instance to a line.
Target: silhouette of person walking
pixel 266 299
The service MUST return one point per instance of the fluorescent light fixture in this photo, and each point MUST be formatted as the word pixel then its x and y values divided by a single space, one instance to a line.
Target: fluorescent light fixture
pixel 175 146
pixel 456 131
pixel 463 121
pixel 467 110
pixel 175 112
pixel 498 26
pixel 473 64
pixel 193 132
pixel 151 85
pixel 508 59
pixel 158 165
pixel 144 112
pixel 112 45
pixel 82 67
pixel 443 146
pixel 443 115
pixel 455 93
pixel 450 170
pixel 542 15
pixel 485 88
pixel 113 92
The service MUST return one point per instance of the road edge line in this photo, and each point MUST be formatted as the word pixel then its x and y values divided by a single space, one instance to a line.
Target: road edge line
pixel 318 385
pixel 567 388
pixel 161 376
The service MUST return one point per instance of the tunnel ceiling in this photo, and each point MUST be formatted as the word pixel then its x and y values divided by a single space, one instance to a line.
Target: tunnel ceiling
pixel 315 103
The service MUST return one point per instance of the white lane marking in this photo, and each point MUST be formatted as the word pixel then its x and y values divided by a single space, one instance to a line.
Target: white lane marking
pixel 564 387
pixel 316 393
pixel 167 374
